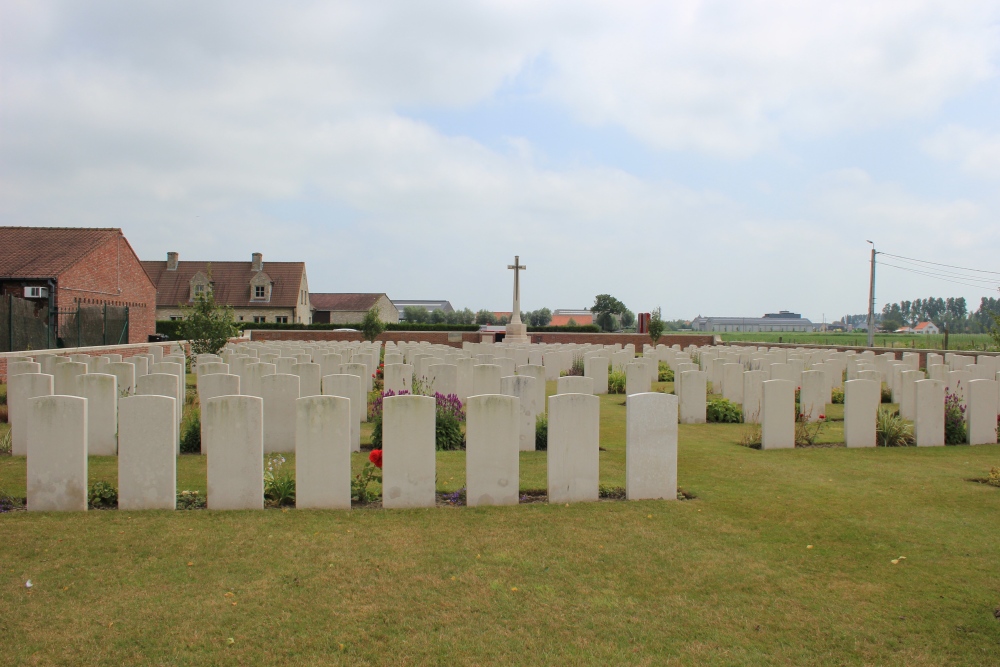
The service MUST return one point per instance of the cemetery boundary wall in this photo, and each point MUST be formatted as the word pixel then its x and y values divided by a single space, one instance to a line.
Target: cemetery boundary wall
pixel 124 350
pixel 456 338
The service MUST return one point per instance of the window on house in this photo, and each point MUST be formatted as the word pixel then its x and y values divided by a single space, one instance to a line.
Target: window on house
pixel 175 318
pixel 259 319
pixel 199 289
pixel 258 291
pixel 281 319
pixel 241 318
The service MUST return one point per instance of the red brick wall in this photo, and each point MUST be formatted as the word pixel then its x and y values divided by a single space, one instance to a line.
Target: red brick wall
pixel 441 337
pixel 112 275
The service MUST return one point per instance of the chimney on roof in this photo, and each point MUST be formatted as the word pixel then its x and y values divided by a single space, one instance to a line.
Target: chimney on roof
pixel 257 262
pixel 172 261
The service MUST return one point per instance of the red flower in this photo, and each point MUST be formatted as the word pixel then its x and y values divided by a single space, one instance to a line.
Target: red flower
pixel 376 457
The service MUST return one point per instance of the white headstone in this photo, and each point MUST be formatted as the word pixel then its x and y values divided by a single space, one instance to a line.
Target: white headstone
pixel 101 392
pixel 777 414
pixel 20 389
pixel 147 463
pixel 523 387
pixel 861 403
pixel 928 427
pixel 981 414
pixel 234 431
pixel 57 454
pixel 408 451
pixel 279 392
pixel 491 458
pixel 323 453
pixel 651 447
pixel 573 448
pixel 349 386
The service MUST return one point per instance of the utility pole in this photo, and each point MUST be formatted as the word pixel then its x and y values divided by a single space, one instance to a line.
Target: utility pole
pixel 871 302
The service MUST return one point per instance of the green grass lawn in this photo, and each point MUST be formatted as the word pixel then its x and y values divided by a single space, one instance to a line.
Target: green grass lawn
pixel 728 578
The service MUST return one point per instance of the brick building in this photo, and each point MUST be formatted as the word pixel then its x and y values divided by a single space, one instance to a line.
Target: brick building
pixel 350 308
pixel 257 292
pixel 58 269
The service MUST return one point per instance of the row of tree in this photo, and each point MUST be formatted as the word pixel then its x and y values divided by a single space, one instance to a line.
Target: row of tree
pixel 418 315
pixel 951 312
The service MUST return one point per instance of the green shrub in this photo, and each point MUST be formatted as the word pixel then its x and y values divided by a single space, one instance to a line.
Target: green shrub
pixel 722 411
pixel 190 500
pixel 886 394
pixel 448 432
pixel 616 382
pixel 837 396
pixel 3 396
pixel 666 374
pixel 541 432
pixel 954 420
pixel 891 430
pixel 577 367
pixel 102 495
pixel 191 433
pixel 279 484
pixel 6 443
pixel 994 479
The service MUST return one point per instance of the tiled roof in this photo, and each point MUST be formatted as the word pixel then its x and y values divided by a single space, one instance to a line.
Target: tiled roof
pixel 46 252
pixel 347 302
pixel 563 320
pixel 231 282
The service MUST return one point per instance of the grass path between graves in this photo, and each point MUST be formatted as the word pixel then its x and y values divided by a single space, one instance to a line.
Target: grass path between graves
pixel 726 579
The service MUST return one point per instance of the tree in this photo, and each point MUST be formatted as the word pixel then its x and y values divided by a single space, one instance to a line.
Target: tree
pixel 889 325
pixel 572 323
pixel 465 316
pixel 606 310
pixel 628 318
pixel 485 317
pixel 208 326
pixel 540 317
pixel 438 316
pixel 656 325
pixel 995 333
pixel 372 325
pixel 415 314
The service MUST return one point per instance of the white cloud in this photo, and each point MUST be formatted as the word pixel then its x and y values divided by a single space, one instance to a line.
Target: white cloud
pixel 977 152
pixel 223 128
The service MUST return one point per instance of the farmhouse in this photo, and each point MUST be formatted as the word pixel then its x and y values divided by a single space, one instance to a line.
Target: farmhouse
pixel 350 308
pixel 275 292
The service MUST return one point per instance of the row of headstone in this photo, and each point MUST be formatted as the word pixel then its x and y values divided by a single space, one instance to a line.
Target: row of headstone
pixel 234 430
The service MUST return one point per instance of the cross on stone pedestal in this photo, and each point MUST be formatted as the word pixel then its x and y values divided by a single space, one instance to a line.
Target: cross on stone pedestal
pixel 516 331
pixel 517 268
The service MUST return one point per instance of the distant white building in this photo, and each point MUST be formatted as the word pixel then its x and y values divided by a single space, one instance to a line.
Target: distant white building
pixel 926 328
pixel 780 321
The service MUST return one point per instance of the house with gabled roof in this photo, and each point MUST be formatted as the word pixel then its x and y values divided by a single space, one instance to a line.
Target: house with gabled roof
pixel 61 269
pixel 351 307
pixel 926 328
pixel 257 292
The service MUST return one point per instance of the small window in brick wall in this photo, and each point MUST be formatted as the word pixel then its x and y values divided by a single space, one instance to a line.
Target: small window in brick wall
pixel 281 319
pixel 258 291
pixel 258 319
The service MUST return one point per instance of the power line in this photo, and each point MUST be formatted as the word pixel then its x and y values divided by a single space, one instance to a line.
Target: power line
pixel 946 275
pixel 950 266
pixel 949 274
pixel 939 277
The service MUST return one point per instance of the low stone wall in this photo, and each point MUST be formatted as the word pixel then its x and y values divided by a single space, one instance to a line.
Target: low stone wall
pixel 456 338
pixel 124 350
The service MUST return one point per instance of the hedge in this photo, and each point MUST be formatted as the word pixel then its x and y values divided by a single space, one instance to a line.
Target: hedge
pixel 172 327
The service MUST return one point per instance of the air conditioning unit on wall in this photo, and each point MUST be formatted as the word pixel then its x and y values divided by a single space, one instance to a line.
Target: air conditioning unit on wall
pixel 36 292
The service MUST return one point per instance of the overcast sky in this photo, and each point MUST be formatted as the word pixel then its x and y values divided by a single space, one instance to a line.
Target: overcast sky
pixel 714 158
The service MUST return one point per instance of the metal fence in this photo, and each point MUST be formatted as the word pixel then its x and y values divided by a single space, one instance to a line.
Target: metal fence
pixel 87 326
pixel 23 325
pixel 29 325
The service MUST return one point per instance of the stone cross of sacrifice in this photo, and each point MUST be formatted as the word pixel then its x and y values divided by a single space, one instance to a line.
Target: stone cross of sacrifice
pixel 517 267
